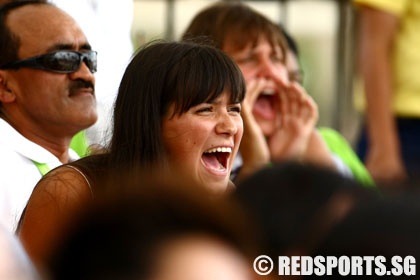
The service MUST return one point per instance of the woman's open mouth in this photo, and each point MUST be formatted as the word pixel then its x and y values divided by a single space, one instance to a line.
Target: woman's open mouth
pixel 216 159
pixel 264 105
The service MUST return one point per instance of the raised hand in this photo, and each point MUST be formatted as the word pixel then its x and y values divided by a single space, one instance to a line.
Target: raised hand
pixel 296 118
pixel 253 149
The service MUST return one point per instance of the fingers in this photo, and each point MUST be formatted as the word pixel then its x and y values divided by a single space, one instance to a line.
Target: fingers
pixel 296 103
pixel 308 104
pixel 295 122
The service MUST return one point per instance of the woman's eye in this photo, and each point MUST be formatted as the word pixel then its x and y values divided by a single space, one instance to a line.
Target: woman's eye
pixel 204 109
pixel 236 109
pixel 244 60
pixel 278 59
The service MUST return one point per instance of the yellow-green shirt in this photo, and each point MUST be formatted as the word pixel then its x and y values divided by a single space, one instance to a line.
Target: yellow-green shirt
pixel 406 56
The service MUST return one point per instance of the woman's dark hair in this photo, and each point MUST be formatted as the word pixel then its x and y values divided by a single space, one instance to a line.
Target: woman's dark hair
pixel 236 23
pixel 162 74
pixel 291 42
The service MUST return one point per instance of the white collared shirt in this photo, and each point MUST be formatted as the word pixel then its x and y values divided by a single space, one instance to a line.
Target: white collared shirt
pixel 18 174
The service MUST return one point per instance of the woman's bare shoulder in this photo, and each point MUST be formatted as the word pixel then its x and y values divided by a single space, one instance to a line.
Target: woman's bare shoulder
pixel 62 183
pixel 54 201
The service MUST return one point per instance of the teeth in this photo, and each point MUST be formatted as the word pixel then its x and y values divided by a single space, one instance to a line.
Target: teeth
pixel 220 150
pixel 268 92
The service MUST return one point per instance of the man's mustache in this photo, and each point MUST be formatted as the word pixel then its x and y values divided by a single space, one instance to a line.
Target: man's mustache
pixel 80 84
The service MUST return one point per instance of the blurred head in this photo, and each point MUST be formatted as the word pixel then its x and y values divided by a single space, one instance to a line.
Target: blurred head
pixel 14 262
pixel 32 91
pixel 296 206
pixel 178 107
pixel 382 227
pixel 157 232
pixel 293 66
pixel 201 257
pixel 254 42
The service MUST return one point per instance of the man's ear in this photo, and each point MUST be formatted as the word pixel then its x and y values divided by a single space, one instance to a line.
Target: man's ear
pixel 6 95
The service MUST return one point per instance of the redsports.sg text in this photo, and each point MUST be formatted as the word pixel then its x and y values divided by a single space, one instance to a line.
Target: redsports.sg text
pixel 332 265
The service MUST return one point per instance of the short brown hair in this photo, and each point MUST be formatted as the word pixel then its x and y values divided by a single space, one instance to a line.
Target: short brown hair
pixel 234 22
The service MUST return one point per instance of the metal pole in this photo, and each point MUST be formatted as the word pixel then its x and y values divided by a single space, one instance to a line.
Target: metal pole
pixel 170 20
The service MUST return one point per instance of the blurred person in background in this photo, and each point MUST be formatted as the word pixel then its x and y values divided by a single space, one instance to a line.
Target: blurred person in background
pixel 389 63
pixel 156 231
pixel 334 140
pixel 279 116
pixel 14 262
pixel 296 206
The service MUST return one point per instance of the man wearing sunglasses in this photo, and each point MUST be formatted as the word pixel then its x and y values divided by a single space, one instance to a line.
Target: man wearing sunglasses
pixel 46 96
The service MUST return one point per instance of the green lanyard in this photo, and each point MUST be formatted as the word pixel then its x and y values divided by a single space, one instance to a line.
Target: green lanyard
pixel 42 167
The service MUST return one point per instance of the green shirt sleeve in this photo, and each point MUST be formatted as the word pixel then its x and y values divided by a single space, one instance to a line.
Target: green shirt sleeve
pixel 340 147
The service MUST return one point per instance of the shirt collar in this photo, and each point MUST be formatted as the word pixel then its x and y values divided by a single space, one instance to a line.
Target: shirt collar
pixel 14 140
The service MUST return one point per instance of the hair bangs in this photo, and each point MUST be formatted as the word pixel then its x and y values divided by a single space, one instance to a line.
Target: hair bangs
pixel 202 75
pixel 251 30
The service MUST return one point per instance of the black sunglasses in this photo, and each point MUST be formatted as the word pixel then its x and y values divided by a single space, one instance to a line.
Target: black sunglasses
pixel 59 61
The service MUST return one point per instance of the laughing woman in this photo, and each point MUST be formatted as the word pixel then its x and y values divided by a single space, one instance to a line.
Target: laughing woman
pixel 177 114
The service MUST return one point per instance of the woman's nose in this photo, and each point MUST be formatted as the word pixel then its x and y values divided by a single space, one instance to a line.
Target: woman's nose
pixel 274 71
pixel 226 125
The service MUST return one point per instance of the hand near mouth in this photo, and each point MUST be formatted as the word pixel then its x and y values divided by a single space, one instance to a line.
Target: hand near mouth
pixel 294 137
pixel 295 123
pixel 253 149
pixel 296 115
pixel 297 137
